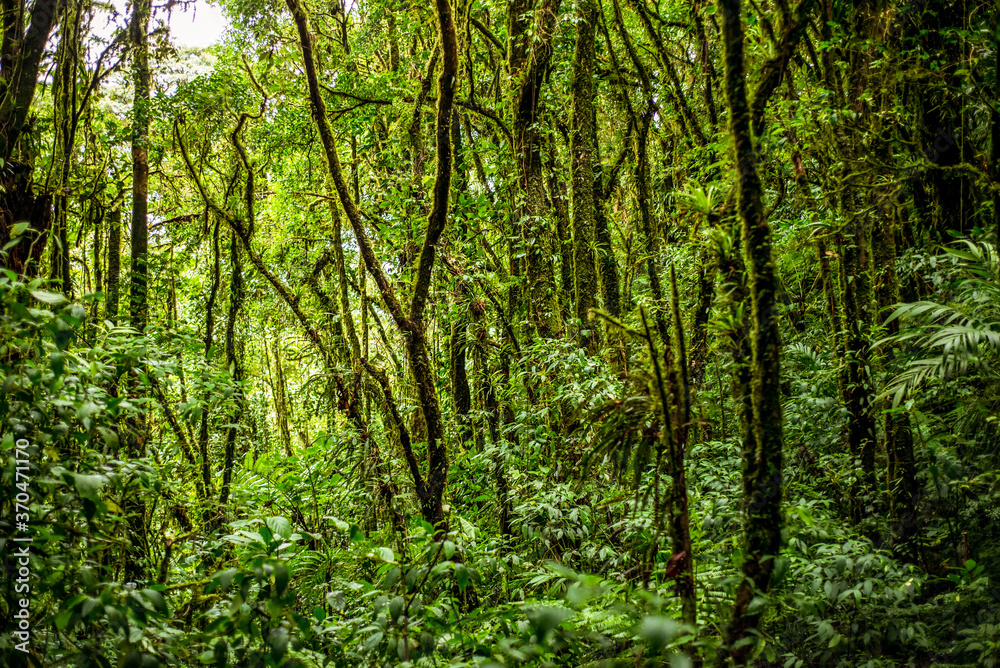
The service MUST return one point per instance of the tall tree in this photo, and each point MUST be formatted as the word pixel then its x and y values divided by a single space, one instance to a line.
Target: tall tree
pixel 139 271
pixel 530 32
pixel 583 149
pixel 762 472
pixel 21 54
pixel 135 565
pixel 430 484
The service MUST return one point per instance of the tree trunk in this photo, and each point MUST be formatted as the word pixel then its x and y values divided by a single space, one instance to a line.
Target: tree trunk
pixel 680 515
pixel 19 65
pixel 280 391
pixel 206 462
pixel 646 220
pixel 528 59
pixel 995 127
pixel 461 395
pixel 707 267
pixel 65 122
pixel 237 295
pixel 114 217
pixel 347 317
pixel 139 33
pixel 582 151
pixel 564 237
pixel 857 383
pixel 488 403
pixel 430 488
pixel 458 337
pixel 135 565
pixel 20 58
pixel 901 476
pixel 97 220
pixel 762 472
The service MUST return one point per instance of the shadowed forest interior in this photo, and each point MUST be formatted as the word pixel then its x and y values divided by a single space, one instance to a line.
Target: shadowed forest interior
pixel 599 333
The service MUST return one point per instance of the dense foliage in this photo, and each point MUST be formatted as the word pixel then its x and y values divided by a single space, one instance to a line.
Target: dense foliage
pixel 479 333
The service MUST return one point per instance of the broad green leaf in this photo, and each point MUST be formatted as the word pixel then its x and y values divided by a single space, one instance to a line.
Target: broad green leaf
pixel 280 527
pixel 50 298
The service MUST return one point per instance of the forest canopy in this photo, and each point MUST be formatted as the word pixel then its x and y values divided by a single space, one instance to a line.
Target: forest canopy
pixel 595 333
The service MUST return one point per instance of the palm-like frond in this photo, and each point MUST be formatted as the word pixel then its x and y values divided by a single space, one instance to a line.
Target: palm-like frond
pixel 623 436
pixel 954 339
pixel 804 354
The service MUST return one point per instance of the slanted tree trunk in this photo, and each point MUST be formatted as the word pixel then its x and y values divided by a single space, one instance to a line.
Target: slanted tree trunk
pixel 429 483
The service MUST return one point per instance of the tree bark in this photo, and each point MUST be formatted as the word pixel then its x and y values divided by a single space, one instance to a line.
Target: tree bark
pixel 530 50
pixel 206 463
pixel 135 507
pixel 237 295
pixel 901 475
pixel 430 488
pixel 139 34
pixel 114 252
pixel 582 152
pixel 762 472
pixel 19 73
pixel 857 384
pixel 995 128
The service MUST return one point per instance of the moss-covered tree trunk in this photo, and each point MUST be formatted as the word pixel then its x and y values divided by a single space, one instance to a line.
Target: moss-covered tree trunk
pixel 762 472
pixel 995 127
pixel 65 119
pixel 429 482
pixel 487 399
pixel 582 152
pixel 530 49
pixel 135 566
pixel 139 271
pixel 901 475
pixel 564 235
pixel 458 337
pixel 856 382
pixel 205 462
pixel 114 254
pixel 22 50
pixel 234 360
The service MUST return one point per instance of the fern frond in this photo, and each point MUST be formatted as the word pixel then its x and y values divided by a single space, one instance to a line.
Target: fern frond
pixel 955 339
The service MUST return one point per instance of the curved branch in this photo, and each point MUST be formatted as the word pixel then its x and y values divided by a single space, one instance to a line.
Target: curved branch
pixel 774 69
